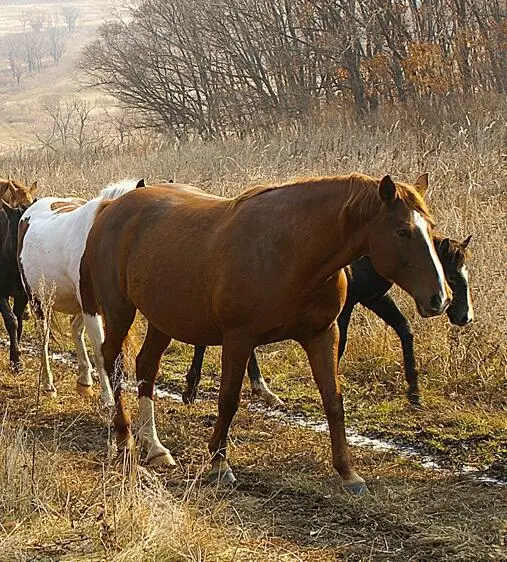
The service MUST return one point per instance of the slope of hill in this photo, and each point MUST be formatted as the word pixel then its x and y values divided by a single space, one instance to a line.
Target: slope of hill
pixel 21 104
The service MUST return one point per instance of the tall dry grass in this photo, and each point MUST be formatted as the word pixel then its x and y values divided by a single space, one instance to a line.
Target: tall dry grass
pixel 463 147
pixel 112 516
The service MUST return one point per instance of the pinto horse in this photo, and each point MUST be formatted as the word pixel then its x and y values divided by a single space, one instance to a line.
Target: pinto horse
pixel 52 238
pixel 262 267
pixel 366 286
pixel 15 198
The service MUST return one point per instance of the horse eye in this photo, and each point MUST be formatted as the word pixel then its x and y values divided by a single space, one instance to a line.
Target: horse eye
pixel 404 232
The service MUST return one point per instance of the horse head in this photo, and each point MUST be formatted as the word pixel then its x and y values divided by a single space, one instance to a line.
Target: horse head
pixel 453 255
pixel 16 194
pixel 401 246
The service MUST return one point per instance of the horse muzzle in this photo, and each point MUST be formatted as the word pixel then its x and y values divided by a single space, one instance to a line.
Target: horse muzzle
pixel 434 307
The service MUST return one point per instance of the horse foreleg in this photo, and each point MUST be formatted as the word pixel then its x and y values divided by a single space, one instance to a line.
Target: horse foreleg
pixel 85 381
pixel 236 350
pixel 46 374
pixel 386 308
pixel 147 364
pixel 11 326
pixel 194 375
pixel 322 351
pixel 258 384
pixel 93 325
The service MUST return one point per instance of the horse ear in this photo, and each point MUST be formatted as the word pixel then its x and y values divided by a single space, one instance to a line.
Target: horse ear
pixel 446 245
pixel 387 189
pixel 421 183
pixel 33 187
pixel 465 242
pixel 140 183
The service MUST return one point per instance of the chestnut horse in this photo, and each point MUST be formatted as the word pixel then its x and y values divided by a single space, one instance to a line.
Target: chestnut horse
pixel 366 286
pixel 16 194
pixel 262 267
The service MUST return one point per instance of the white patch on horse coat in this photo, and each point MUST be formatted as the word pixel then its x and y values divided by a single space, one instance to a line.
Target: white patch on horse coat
pixel 50 260
pixel 54 244
pixel 421 223
pixel 470 307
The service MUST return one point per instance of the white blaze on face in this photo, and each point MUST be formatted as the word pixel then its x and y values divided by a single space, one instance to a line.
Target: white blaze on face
pixel 470 307
pixel 421 223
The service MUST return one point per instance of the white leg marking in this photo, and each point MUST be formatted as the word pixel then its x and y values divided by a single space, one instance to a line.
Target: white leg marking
pixel 156 452
pixel 95 332
pixel 46 375
pixel 470 307
pixel 85 368
pixel 260 388
pixel 421 223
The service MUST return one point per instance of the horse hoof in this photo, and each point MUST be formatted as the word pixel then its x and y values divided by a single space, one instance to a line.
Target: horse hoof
pixel 225 478
pixel 16 367
pixel 274 402
pixel 84 390
pixel 357 488
pixel 414 400
pixel 188 397
pixel 106 401
pixel 163 459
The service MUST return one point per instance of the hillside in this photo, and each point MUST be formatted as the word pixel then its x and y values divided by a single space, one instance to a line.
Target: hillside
pixel 21 105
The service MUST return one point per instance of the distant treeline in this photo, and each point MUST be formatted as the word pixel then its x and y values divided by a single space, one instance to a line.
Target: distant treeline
pixel 225 67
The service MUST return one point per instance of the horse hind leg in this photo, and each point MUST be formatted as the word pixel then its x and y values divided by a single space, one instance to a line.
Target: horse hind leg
pixel 147 365
pixel 44 329
pixel 85 381
pixel 118 322
pixel 259 386
pixel 95 331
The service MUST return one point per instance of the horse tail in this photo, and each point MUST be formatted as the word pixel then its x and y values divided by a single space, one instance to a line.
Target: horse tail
pixel 56 332
pixel 130 350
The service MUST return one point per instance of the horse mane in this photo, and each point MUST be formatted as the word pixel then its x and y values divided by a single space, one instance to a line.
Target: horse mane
pixel 115 190
pixel 363 192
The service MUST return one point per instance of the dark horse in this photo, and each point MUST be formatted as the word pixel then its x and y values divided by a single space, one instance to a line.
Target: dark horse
pixel 262 267
pixel 367 287
pixel 10 280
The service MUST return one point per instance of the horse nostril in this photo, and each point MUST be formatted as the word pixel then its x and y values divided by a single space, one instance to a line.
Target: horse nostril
pixel 436 302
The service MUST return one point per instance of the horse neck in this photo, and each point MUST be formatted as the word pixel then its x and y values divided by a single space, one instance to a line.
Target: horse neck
pixel 330 221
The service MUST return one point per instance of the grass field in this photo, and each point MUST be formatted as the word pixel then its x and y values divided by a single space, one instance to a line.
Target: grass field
pixel 63 497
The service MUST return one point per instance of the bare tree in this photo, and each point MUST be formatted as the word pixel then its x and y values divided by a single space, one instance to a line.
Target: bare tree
pixel 16 60
pixel 69 125
pixel 56 36
pixel 33 43
pixel 70 16
pixel 229 66
pixel 37 19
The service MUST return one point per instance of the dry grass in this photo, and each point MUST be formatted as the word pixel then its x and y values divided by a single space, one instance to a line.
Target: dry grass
pixel 79 506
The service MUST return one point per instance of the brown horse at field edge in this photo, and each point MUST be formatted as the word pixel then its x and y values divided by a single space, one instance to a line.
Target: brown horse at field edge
pixel 262 267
